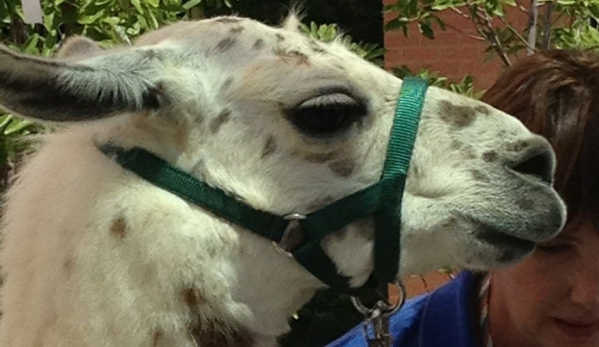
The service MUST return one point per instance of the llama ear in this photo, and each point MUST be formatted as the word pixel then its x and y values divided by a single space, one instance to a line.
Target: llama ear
pixel 77 46
pixel 93 88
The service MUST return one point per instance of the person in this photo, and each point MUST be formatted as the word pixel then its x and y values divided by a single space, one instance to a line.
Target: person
pixel 551 298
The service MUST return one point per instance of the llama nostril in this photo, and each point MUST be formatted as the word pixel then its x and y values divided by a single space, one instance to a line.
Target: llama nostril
pixel 539 163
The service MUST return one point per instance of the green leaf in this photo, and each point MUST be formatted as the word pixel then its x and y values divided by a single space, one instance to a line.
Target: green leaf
pixel 31 44
pixel 153 3
pixel 86 20
pixel 18 126
pixel 395 24
pixel 5 121
pixel 137 5
pixel 190 4
pixel 426 30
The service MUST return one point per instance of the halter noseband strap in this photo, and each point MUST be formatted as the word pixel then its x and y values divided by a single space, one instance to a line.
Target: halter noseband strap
pixel 381 200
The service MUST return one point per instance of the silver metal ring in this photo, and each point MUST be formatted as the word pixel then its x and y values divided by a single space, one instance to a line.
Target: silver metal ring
pixel 385 308
pixel 290 217
pixel 295 216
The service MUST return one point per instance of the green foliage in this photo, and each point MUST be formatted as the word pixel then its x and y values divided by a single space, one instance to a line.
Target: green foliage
pixel 554 24
pixel 108 22
pixel 331 32
pixel 559 23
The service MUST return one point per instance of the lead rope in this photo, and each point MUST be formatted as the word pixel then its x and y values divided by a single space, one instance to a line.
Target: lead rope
pixel 376 319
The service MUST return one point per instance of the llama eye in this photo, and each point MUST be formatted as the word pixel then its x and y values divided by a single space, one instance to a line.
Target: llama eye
pixel 326 114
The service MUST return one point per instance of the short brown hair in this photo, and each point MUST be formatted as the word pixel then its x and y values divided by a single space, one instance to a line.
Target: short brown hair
pixel 556 94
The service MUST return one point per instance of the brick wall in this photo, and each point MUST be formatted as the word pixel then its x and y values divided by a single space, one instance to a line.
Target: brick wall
pixel 454 54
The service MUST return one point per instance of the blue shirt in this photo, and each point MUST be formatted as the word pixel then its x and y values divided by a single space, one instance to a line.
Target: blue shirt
pixel 447 317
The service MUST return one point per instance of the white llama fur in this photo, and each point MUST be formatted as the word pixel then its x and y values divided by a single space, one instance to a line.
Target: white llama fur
pixel 95 256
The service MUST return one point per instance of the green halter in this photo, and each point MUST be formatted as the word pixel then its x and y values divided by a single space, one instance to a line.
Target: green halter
pixel 381 200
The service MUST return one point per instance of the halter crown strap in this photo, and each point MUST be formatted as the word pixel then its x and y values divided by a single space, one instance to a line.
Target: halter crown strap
pixel 381 200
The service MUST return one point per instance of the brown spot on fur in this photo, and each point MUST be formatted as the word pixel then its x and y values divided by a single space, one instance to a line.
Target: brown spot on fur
pixel 158 334
pixel 216 333
pixel 490 156
pixel 297 56
pixel 318 50
pixel 259 44
pixel 479 176
pixel 192 298
pixel 270 147
pixel 319 157
pixel 119 228
pixel 280 38
pixel 236 30
pixel 68 265
pixel 221 119
pixel 458 116
pixel 225 44
pixel 482 109
pixel 525 204
pixel 517 146
pixel 343 168
pixel 150 54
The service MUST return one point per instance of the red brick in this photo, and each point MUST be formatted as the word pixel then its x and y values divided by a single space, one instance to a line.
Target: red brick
pixel 394 57
pixel 389 15
pixel 421 54
pixel 396 39
pixel 453 54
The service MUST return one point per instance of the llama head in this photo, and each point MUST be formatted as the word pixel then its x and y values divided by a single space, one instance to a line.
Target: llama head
pixel 289 124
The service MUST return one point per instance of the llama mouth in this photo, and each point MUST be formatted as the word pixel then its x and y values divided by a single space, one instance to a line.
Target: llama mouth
pixel 504 241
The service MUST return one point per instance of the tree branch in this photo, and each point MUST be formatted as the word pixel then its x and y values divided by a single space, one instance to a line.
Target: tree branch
pixel 484 26
pixel 547 26
pixel 517 34
pixel 532 27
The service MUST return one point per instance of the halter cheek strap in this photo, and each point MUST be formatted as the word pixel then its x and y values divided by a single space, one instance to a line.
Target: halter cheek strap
pixel 382 201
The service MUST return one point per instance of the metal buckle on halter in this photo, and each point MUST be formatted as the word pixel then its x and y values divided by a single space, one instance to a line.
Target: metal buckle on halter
pixel 376 323
pixel 293 219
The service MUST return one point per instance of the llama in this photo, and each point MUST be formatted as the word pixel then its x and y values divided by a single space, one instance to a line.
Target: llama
pixel 94 255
